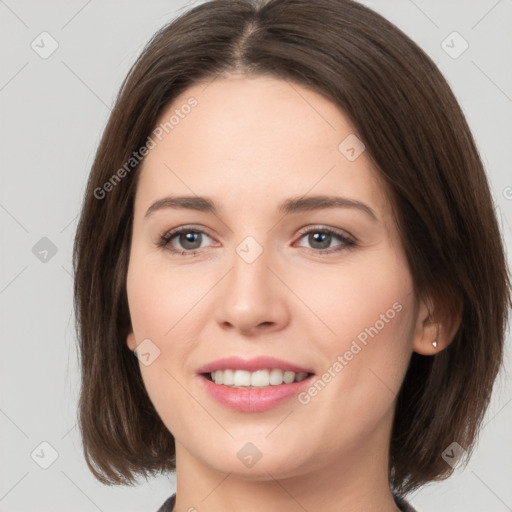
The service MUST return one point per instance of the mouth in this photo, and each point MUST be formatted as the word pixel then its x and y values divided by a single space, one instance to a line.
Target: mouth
pixel 237 378
pixel 254 385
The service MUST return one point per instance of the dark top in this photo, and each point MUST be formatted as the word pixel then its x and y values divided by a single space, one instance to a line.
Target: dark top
pixel 400 503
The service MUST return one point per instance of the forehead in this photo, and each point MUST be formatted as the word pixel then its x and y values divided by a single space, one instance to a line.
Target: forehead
pixel 253 137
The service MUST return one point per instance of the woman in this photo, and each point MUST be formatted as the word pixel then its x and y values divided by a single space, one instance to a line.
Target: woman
pixel 288 223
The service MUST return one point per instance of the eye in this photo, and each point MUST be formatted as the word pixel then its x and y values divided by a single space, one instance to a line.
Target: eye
pixel 321 238
pixel 187 241
pixel 184 240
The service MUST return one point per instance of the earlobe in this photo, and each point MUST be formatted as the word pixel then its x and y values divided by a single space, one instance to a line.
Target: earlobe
pixel 430 343
pixel 428 339
pixel 434 332
pixel 130 341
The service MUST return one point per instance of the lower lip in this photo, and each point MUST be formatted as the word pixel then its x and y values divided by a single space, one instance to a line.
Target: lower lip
pixel 254 399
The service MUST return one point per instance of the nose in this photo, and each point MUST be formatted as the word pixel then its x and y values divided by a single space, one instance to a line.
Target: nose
pixel 252 299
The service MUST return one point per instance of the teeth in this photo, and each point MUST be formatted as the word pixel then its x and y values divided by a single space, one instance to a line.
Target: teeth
pixel 242 378
pixel 228 377
pixel 288 377
pixel 257 379
pixel 276 377
pixel 260 378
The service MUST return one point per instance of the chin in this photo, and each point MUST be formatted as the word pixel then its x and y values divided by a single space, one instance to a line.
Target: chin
pixel 265 468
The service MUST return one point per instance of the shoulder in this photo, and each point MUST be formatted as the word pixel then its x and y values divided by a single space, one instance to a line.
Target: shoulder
pixel 168 505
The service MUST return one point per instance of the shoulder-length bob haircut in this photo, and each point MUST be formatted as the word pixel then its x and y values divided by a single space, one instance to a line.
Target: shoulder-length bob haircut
pixel 419 142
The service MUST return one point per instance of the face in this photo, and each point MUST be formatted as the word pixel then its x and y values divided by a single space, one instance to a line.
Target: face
pixel 301 306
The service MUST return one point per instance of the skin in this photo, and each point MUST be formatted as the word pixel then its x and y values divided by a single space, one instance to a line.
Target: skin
pixel 249 144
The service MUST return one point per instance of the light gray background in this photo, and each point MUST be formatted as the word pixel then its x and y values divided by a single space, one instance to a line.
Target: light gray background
pixel 53 112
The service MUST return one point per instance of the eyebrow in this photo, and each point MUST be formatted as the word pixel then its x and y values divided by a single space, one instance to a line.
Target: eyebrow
pixel 291 205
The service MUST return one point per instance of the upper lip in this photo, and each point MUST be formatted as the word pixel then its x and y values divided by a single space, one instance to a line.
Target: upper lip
pixel 251 365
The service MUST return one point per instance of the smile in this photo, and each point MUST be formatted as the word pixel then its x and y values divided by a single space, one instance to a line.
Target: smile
pixel 256 379
pixel 254 385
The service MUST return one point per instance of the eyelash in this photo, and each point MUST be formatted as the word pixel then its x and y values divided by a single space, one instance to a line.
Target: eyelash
pixel 347 243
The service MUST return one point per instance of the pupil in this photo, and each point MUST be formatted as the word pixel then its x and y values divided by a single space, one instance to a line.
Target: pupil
pixel 323 238
pixel 190 238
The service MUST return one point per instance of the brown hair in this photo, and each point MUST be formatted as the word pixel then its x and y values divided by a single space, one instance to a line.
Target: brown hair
pixel 419 142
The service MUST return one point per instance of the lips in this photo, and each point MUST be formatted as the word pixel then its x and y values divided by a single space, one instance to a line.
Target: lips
pixel 246 397
pixel 252 365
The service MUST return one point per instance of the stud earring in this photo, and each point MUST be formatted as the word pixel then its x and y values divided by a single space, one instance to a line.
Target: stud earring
pixel 434 343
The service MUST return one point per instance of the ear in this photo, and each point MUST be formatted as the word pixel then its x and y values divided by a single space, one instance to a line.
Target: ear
pixel 130 340
pixel 436 324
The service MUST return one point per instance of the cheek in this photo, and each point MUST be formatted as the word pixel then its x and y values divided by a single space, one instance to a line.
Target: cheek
pixel 368 298
pixel 165 309
pixel 368 308
pixel 371 309
pixel 161 299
